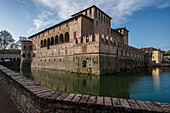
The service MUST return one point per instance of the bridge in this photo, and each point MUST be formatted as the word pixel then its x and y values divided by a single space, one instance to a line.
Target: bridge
pixel 10 57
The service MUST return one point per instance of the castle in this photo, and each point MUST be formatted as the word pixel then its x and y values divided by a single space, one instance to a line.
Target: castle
pixel 85 43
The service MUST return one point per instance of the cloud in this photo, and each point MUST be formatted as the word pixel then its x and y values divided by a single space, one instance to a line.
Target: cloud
pixel 54 11
pixel 164 5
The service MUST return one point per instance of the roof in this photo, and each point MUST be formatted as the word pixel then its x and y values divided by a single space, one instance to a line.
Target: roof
pixel 151 49
pixel 136 49
pixel 89 8
pixel 122 28
pixel 60 24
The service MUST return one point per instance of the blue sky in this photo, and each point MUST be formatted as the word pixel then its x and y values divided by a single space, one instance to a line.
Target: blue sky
pixel 147 20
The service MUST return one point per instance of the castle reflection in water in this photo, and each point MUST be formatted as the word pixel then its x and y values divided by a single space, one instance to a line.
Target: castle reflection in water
pixel 122 85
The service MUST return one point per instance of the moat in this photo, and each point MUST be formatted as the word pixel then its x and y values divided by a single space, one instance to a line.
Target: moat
pixel 152 84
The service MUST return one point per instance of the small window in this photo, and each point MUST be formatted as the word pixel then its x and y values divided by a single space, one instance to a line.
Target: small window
pixel 84 63
pixel 76 41
pixel 81 39
pixel 43 34
pixel 30 48
pixel 34 55
pixel 59 27
pixel 76 19
pixel 153 57
pixel 93 39
pixel 53 29
pixel 67 25
pixel 74 35
pixel 48 31
pixel 24 47
pixel 96 22
pixel 23 55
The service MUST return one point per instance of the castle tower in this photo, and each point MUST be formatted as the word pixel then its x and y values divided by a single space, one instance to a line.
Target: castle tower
pixel 124 32
pixel 26 53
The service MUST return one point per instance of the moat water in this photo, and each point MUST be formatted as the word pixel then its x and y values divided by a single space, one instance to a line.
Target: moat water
pixel 152 84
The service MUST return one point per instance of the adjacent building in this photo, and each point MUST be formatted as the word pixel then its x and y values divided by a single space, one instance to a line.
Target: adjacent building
pixel 85 43
pixel 157 54
pixel 166 58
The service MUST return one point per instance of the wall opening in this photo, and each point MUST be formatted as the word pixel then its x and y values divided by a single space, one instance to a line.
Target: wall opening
pixel 84 63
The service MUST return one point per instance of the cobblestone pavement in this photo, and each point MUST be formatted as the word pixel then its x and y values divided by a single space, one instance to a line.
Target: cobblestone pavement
pixel 6 103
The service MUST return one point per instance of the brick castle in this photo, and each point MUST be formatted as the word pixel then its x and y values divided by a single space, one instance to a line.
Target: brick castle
pixel 85 43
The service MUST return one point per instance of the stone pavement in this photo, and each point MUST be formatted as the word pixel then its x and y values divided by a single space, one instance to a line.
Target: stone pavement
pixel 6 103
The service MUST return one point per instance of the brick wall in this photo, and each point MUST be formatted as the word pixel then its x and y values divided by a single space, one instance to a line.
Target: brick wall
pixel 34 98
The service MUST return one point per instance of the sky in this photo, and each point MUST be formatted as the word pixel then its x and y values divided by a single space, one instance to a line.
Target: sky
pixel 147 20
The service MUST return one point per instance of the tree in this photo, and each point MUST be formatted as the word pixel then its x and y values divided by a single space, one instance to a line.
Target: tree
pixel 168 52
pixel 14 46
pixel 5 39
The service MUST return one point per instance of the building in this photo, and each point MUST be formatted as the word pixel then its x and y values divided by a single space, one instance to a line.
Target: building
pixel 85 43
pixel 166 58
pixel 157 54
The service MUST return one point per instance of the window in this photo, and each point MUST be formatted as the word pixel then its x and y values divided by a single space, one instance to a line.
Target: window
pixel 84 63
pixel 74 35
pixel 59 27
pixel 86 12
pixel 41 43
pixel 31 48
pixel 24 47
pixel 56 39
pixel 153 57
pixel 76 19
pixel 81 39
pixel 76 41
pixel 102 40
pixel 45 43
pixel 93 39
pixel 48 31
pixel 87 39
pixel 67 37
pixel 23 55
pixel 96 22
pixel 67 25
pixel 53 29
pixel 61 38
pixel 34 55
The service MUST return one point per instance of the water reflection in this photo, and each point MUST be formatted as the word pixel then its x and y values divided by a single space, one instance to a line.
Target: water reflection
pixel 156 73
pixel 141 84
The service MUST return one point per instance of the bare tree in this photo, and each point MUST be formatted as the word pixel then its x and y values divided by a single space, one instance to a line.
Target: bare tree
pixel 5 39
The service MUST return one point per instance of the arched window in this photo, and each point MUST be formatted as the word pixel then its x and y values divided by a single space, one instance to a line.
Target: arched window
pixel 66 37
pixel 61 38
pixel 41 43
pixel 52 41
pixel 45 43
pixel 14 59
pixel 23 55
pixel 56 39
pixel 48 42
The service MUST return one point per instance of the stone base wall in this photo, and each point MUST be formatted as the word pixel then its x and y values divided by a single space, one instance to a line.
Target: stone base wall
pixel 112 64
pixel 31 97
pixel 96 63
